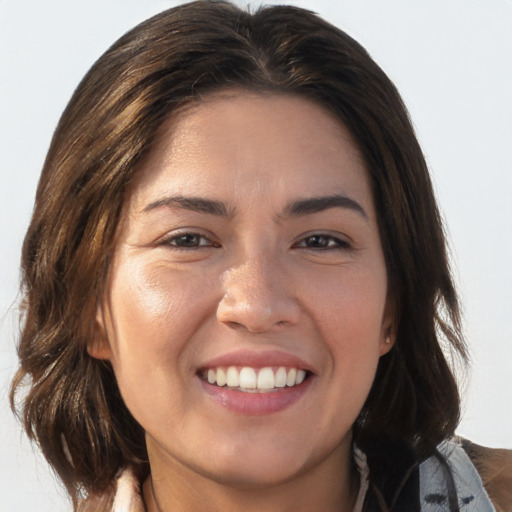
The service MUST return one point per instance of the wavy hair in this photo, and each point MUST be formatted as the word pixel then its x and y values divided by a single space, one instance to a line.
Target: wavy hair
pixel 72 406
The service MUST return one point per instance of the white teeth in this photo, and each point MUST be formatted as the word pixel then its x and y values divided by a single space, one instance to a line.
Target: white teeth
pixel 221 377
pixel 280 379
pixel 233 379
pixel 247 378
pixel 266 379
pixel 290 379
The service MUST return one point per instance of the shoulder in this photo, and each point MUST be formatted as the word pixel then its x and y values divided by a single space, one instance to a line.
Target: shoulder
pixel 495 469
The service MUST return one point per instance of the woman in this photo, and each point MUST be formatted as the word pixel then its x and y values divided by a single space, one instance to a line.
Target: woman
pixel 236 283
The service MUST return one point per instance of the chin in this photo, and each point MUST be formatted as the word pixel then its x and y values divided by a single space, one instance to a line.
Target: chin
pixel 256 466
pixel 268 473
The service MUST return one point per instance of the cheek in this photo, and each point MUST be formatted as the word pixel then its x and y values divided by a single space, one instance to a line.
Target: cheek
pixel 154 315
pixel 349 314
pixel 349 306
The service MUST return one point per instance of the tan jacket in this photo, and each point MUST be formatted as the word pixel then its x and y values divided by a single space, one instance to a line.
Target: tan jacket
pixel 495 469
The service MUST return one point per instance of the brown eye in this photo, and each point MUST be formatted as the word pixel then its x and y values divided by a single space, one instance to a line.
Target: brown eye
pixel 189 241
pixel 321 241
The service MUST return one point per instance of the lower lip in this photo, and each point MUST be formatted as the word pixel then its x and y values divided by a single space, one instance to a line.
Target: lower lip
pixel 257 403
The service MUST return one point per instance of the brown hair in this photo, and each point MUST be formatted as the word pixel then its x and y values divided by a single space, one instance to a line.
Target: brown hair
pixel 73 408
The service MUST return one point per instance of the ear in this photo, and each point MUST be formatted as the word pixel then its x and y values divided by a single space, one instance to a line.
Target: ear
pixel 388 335
pixel 388 340
pixel 99 346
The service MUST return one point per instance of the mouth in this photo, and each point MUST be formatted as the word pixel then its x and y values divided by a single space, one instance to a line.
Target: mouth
pixel 249 379
pixel 256 383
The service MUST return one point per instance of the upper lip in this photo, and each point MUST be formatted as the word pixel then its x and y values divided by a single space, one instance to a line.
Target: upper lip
pixel 255 359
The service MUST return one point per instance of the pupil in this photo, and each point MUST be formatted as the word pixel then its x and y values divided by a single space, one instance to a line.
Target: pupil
pixel 188 240
pixel 318 241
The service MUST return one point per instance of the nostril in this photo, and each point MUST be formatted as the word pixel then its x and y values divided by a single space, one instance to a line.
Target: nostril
pixel 235 325
pixel 258 316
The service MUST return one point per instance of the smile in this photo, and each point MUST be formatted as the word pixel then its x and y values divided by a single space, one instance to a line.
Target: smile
pixel 254 380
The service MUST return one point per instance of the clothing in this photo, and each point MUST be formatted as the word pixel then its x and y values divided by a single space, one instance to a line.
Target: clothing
pixel 426 488
pixel 470 491
pixel 495 468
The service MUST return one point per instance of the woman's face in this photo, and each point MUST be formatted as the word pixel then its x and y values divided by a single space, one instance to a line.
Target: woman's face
pixel 250 255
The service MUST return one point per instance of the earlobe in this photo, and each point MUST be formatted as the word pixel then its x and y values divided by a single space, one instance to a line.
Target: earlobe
pixel 99 346
pixel 388 341
pixel 388 325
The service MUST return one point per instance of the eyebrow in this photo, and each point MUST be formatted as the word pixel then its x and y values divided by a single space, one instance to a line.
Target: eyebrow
pixel 318 204
pixel 296 208
pixel 196 204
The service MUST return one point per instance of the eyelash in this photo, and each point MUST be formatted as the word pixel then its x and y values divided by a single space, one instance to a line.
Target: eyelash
pixel 172 241
pixel 327 242
pixel 196 240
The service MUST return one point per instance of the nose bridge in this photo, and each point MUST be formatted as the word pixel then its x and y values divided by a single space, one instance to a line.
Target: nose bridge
pixel 257 294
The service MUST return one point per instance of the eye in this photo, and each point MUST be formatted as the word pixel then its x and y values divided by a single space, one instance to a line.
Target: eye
pixel 189 241
pixel 323 241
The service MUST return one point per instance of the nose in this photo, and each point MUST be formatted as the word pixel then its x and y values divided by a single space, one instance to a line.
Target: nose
pixel 258 297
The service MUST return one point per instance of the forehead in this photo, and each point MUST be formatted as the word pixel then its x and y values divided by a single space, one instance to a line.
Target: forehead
pixel 243 141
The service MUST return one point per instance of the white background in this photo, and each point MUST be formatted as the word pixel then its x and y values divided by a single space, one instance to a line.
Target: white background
pixel 452 62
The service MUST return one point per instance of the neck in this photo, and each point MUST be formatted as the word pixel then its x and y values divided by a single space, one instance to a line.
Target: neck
pixel 330 486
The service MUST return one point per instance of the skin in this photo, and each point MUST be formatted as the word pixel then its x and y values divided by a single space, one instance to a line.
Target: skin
pixel 261 278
